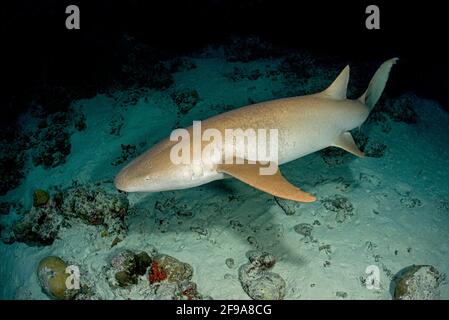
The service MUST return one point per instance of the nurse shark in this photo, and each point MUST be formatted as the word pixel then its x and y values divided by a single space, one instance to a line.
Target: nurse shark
pixel 305 124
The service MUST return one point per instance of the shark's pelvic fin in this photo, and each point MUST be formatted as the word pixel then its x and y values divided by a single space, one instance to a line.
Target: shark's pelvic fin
pixel 338 88
pixel 377 84
pixel 275 184
pixel 346 142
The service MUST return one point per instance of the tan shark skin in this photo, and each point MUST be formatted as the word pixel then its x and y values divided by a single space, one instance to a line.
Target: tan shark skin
pixel 305 125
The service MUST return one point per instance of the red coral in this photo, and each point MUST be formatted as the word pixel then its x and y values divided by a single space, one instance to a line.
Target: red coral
pixel 190 292
pixel 157 274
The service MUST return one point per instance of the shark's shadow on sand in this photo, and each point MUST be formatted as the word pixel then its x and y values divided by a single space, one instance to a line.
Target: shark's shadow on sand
pixel 230 206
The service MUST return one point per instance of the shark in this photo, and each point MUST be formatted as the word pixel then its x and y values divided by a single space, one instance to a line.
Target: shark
pixel 305 124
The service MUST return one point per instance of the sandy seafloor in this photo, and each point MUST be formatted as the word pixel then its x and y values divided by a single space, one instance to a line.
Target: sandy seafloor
pixel 384 229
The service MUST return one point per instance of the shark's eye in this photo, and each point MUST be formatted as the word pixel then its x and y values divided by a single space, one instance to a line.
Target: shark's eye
pixel 147 178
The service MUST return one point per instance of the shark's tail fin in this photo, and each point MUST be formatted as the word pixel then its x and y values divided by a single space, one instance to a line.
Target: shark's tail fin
pixel 377 84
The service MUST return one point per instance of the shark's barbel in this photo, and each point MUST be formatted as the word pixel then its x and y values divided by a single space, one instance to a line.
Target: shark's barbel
pixel 305 124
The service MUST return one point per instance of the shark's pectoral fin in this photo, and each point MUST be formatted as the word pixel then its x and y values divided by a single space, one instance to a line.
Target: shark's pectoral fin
pixel 274 184
pixel 346 142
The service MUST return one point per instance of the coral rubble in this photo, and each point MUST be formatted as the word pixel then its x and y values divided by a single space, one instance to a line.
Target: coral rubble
pixel 257 281
pixel 91 205
pixel 52 277
pixel 417 282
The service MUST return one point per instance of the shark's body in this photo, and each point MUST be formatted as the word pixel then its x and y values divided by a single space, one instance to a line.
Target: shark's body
pixel 305 124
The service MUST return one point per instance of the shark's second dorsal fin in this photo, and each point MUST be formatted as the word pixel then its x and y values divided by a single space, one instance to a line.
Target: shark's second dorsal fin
pixel 275 184
pixel 338 88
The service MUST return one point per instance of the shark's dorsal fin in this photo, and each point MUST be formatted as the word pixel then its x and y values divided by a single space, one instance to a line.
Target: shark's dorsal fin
pixel 338 88
pixel 346 142
pixel 275 184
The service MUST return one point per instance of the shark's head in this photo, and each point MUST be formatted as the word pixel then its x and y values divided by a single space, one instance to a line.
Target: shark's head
pixel 136 176
pixel 150 172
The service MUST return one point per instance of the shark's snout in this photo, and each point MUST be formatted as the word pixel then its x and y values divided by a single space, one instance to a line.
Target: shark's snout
pixel 129 180
pixel 136 177
pixel 120 182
